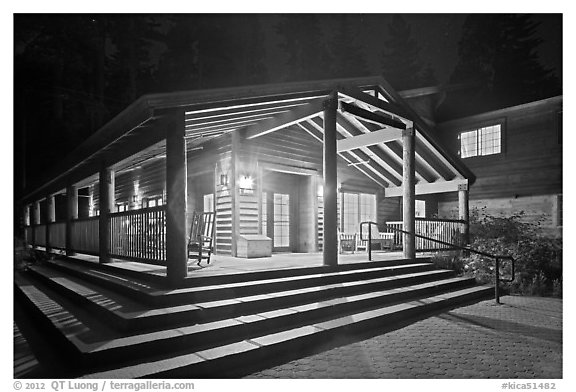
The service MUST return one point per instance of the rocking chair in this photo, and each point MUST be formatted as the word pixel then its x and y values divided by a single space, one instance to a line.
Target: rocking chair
pixel 200 242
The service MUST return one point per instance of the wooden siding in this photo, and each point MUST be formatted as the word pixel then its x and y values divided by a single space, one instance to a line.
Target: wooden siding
pixel 531 160
pixel 223 208
pixel 526 176
pixel 540 208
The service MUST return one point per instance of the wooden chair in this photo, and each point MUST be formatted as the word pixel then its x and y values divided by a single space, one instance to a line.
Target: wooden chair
pixel 200 241
pixel 347 242
pixel 380 241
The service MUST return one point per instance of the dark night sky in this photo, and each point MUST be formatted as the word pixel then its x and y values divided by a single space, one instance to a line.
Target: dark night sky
pixel 437 36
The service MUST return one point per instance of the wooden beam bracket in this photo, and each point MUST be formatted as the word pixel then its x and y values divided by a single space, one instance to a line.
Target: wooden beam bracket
pixel 370 116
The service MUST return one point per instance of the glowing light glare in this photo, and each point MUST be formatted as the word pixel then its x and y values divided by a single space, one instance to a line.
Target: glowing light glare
pixel 245 182
pixel 320 191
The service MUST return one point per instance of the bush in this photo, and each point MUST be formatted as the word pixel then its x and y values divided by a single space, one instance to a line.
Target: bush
pixel 538 259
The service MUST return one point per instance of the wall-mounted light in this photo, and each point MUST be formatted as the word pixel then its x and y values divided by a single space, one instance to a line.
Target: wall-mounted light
pixel 246 184
pixel 224 179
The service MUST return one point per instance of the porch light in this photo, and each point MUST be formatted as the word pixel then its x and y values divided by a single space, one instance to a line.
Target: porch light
pixel 223 179
pixel 246 184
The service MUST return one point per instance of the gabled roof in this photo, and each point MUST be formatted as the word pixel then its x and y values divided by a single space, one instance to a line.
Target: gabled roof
pixel 367 106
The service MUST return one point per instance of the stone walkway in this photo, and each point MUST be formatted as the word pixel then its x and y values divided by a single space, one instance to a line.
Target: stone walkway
pixel 522 338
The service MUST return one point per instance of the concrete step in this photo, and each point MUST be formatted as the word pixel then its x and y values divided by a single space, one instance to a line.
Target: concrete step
pixel 225 359
pixel 195 280
pixel 94 349
pixel 158 297
pixel 129 315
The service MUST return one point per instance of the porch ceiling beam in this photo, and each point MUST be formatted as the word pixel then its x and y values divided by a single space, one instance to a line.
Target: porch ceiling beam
pixel 373 161
pixel 428 188
pixel 394 151
pixel 346 156
pixel 233 117
pixel 371 116
pixel 352 126
pixel 283 120
pixel 227 112
pixel 238 124
pixel 359 156
pixel 369 139
pixel 376 103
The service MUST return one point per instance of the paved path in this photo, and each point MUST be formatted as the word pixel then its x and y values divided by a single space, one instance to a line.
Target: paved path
pixel 522 338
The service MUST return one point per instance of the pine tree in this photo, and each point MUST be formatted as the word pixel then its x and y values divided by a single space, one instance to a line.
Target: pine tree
pixel 348 59
pixel 305 46
pixel 498 53
pixel 401 64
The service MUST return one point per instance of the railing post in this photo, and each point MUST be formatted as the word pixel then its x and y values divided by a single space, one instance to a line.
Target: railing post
pixel 408 193
pixel 463 210
pixel 330 170
pixel 369 242
pixel 106 187
pixel 71 214
pixel 497 280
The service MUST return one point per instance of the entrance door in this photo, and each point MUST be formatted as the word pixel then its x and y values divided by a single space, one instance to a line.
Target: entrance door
pixel 276 220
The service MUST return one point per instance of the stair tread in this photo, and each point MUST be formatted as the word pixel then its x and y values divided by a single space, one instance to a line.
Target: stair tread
pixel 148 369
pixel 128 309
pixel 87 342
pixel 152 291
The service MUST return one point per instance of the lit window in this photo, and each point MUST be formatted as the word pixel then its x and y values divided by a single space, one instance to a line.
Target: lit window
pixel 482 141
pixel 420 209
pixel 264 213
pixel 281 220
pixel 356 208
pixel 209 202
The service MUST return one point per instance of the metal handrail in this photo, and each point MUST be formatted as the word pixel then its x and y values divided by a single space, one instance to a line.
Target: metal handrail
pixel 496 258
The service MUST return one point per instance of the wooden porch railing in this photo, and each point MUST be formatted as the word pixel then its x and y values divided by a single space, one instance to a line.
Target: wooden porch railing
pixel 57 235
pixel 85 235
pixel 139 235
pixel 446 230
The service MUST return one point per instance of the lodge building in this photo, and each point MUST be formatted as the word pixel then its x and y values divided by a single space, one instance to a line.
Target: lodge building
pixel 285 168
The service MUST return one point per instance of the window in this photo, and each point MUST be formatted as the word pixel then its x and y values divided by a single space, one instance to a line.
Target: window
pixel 264 213
pixel 209 202
pixel 482 141
pixel 121 207
pixel 281 220
pixel 154 201
pixel 420 209
pixel 356 208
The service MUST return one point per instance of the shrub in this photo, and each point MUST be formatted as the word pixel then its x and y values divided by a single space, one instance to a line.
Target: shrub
pixel 538 259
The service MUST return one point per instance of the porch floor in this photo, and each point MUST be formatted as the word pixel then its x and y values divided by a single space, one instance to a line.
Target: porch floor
pixel 223 265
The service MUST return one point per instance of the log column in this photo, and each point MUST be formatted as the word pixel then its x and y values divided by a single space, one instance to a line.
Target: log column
pixel 71 214
pixel 463 210
pixel 50 218
pixel 408 194
pixel 330 250
pixel 106 201
pixel 27 221
pixel 176 194
pixel 234 191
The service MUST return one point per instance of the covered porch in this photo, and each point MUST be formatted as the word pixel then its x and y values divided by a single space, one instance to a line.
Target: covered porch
pixel 128 193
